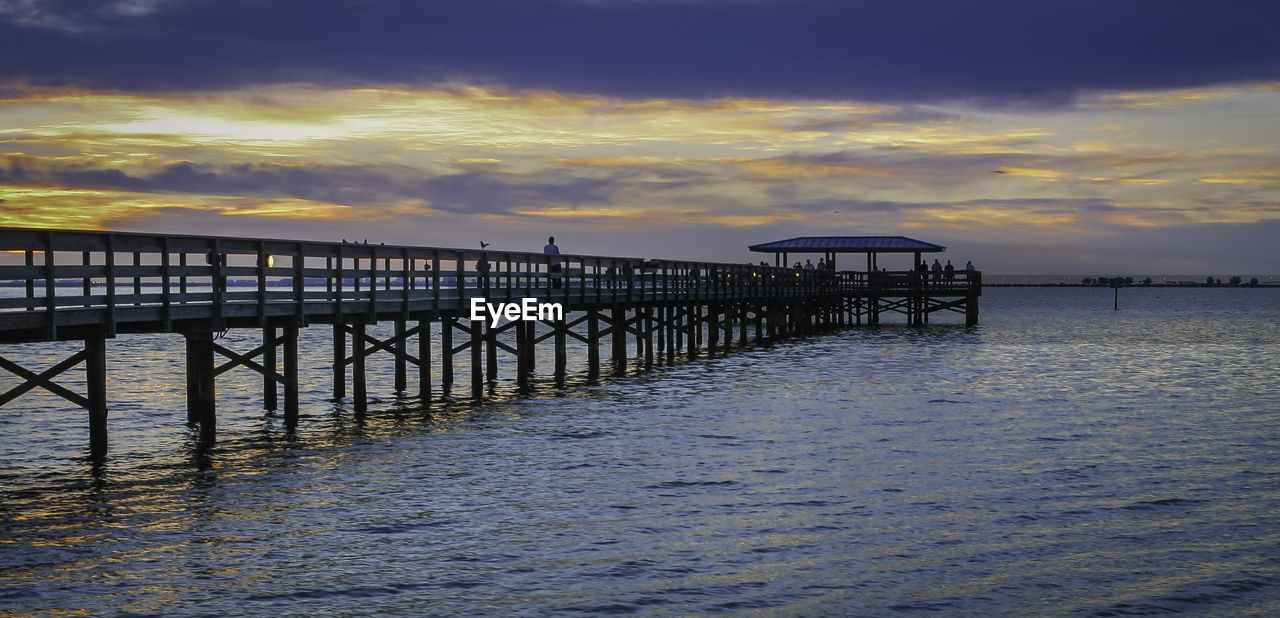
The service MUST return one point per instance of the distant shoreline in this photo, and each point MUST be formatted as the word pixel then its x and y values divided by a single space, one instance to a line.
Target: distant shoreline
pixel 1134 285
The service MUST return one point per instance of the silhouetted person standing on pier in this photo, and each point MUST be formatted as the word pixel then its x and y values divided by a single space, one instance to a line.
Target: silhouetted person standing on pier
pixel 554 269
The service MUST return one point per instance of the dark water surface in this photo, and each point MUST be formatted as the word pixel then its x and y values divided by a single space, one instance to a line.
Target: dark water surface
pixel 1060 459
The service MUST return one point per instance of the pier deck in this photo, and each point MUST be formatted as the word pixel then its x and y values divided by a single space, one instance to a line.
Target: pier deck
pixel 60 285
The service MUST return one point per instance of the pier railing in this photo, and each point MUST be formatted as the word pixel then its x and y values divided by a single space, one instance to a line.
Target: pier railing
pixel 59 279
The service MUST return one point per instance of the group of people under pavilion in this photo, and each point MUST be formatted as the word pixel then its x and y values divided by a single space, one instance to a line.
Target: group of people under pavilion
pixel 871 246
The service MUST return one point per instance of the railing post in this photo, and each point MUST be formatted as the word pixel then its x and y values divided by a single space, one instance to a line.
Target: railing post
pixel 182 279
pixel 30 261
pixel 300 284
pixel 262 284
pixel 219 284
pixel 137 278
pixel 337 294
pixel 50 291
pixel 86 261
pixel 406 268
pixel 166 296
pixel 373 286
pixel 435 277
pixel 111 287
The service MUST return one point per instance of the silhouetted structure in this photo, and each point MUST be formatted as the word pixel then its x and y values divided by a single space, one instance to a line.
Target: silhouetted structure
pixel 93 286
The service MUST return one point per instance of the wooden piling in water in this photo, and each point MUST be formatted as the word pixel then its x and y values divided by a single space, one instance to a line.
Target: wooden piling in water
pixel 424 362
pixel 593 344
pixel 201 399
pixel 96 382
pixel 402 381
pixel 446 353
pixel 477 349
pixel 290 375
pixel 359 387
pixel 269 384
pixel 339 362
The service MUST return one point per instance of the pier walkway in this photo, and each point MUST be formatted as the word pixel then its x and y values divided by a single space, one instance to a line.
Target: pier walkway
pixel 58 285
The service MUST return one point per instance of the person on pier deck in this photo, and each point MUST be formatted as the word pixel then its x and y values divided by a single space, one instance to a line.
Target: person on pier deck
pixel 554 268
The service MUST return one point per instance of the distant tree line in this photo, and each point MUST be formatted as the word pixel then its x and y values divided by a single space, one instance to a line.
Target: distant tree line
pixel 1128 281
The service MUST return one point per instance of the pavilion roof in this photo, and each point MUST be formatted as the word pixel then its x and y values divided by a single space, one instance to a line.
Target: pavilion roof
pixel 848 244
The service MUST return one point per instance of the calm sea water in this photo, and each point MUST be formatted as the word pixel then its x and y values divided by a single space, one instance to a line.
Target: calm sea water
pixel 1061 458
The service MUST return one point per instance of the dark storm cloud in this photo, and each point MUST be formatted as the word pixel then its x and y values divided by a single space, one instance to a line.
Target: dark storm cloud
pixel 926 50
pixel 340 185
pixel 481 191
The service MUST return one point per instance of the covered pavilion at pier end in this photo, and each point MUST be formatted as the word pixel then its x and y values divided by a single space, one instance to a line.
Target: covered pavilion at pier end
pixel 829 246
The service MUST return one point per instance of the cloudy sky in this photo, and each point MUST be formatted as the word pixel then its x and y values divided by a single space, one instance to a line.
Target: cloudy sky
pixel 1109 137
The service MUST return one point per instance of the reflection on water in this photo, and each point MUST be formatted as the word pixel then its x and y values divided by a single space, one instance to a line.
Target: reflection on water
pixel 1060 458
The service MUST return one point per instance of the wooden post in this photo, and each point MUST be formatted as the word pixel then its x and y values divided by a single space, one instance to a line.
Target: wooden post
pixel 668 325
pixel 531 359
pixel 402 382
pixel 87 283
pixel 96 377
pixel 561 350
pixel 678 318
pixel 971 300
pixel 339 361
pixel 593 343
pixel 691 325
pixel 269 389
pixel 193 388
pixel 661 326
pixel 477 349
pixel 619 334
pixel 639 321
pixel 359 387
pixel 727 311
pixel 647 324
pixel 424 362
pixel 50 287
pixel 290 374
pixel 446 352
pixel 713 328
pixel 30 260
pixel 522 355
pixel 698 319
pixel 201 408
pixel 491 352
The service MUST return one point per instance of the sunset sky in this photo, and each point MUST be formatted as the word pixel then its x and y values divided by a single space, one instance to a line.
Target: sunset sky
pixel 1109 137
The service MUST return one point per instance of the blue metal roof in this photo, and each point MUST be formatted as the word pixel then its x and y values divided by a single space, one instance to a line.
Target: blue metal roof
pixel 848 244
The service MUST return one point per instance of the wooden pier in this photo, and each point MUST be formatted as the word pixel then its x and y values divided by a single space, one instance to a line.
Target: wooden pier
pixel 58 285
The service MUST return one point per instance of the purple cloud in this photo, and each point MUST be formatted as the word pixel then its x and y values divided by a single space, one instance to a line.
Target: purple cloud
pixel 1000 51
